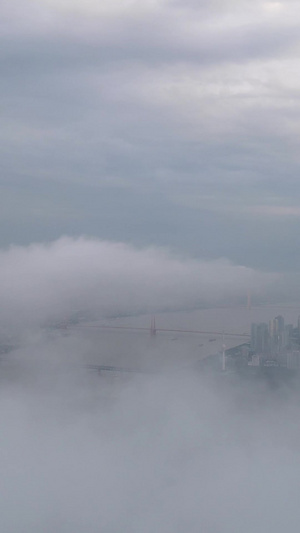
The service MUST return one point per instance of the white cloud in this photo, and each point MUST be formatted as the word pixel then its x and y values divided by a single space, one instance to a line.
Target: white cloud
pixel 56 280
pixel 164 454
pixel 105 7
pixel 274 210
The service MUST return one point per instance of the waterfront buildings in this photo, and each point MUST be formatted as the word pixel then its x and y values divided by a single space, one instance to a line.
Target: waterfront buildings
pixel 272 337
pixel 275 342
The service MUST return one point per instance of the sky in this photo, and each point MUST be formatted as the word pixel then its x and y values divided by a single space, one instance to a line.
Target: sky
pixel 156 123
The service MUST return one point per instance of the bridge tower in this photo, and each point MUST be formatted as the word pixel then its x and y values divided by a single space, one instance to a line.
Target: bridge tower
pixel 223 354
pixel 249 300
pixel 153 327
pixel 223 357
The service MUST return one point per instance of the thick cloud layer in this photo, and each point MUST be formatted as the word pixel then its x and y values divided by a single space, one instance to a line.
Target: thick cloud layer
pixel 55 281
pixel 169 453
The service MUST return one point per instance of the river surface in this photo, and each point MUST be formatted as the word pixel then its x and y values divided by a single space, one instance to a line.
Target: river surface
pixel 139 350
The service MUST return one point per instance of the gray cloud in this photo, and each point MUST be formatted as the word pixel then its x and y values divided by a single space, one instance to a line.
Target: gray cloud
pixel 168 103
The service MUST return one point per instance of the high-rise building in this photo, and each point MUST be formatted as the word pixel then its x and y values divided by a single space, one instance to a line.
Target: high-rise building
pixel 288 333
pixel 275 341
pixel 253 341
pixel 259 338
pixel 280 322
pixel 277 334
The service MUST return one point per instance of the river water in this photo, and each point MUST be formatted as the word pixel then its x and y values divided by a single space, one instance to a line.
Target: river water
pixel 139 350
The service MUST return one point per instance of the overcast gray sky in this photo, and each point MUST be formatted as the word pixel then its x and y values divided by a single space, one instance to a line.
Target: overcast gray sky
pixel 159 122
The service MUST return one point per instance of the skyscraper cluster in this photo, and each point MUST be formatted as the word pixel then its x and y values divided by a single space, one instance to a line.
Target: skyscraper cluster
pixel 271 338
pixel 275 344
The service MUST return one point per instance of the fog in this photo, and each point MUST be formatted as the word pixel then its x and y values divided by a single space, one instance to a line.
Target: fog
pixel 165 448
pixel 175 451
pixel 53 281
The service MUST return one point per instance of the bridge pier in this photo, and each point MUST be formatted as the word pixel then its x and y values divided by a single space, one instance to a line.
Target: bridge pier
pixel 152 327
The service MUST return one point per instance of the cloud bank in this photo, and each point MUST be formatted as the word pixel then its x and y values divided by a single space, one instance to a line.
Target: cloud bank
pixel 44 281
pixel 167 453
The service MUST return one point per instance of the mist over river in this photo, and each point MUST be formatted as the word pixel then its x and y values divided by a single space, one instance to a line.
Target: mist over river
pixel 175 349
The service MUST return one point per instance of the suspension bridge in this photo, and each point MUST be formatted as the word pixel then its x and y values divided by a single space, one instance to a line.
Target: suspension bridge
pixel 154 329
